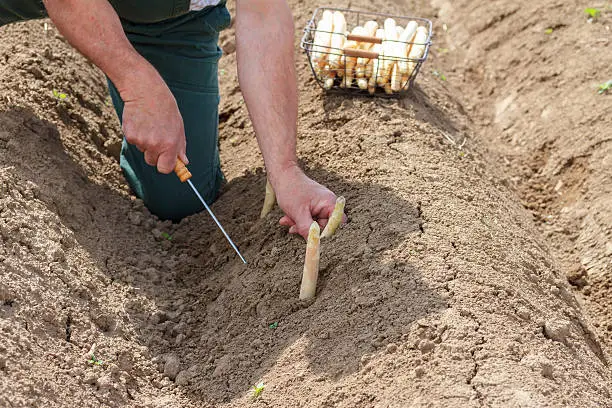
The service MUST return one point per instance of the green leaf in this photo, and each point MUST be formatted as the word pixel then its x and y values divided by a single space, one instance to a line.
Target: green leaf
pixel 167 236
pixel 258 389
pixel 592 12
pixel 548 31
pixel 273 325
pixel 605 87
pixel 439 75
pixel 59 95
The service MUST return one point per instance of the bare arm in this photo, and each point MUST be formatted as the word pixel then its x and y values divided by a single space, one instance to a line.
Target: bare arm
pixel 266 70
pixel 151 119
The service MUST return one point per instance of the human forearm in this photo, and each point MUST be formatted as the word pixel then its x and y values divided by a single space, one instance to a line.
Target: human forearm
pixel 94 29
pixel 266 70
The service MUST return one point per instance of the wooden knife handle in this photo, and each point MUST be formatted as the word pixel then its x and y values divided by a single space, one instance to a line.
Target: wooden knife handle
pixel 181 171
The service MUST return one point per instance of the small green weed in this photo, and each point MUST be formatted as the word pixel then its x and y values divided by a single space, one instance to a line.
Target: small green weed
pixel 605 87
pixel 439 75
pixel 593 13
pixel 59 95
pixel 95 361
pixel 273 325
pixel 549 30
pixel 167 236
pixel 257 390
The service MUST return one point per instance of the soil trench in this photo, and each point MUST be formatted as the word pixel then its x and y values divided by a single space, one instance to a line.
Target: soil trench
pixel 447 287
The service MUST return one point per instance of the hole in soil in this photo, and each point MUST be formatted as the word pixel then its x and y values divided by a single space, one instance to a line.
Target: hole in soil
pixel 68 329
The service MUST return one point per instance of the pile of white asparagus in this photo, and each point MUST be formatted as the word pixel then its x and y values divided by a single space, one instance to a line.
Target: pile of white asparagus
pixel 388 63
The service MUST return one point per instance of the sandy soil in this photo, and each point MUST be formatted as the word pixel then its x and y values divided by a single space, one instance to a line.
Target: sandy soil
pixel 448 286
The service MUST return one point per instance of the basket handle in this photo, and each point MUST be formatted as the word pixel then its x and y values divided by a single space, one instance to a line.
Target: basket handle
pixel 364 38
pixel 352 52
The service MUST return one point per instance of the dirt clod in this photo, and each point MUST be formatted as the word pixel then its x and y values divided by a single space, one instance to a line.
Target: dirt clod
pixel 172 366
pixel 557 330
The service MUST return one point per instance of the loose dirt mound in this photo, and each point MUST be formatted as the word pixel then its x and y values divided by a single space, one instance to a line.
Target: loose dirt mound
pixel 438 292
pixel 536 106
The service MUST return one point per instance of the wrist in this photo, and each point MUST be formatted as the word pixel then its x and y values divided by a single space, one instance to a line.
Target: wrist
pixel 284 173
pixel 136 72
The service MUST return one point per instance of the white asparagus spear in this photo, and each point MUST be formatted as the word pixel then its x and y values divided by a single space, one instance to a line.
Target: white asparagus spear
pixel 328 76
pixel 377 48
pixel 269 200
pixel 322 39
pixel 376 67
pixel 335 219
pixel 418 48
pixel 349 62
pixel 404 46
pixel 399 30
pixel 310 275
pixel 388 50
pixel 362 63
pixel 337 40
pixel 371 27
pixel 396 78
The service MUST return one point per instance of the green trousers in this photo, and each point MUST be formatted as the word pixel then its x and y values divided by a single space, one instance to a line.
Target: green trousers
pixel 182 46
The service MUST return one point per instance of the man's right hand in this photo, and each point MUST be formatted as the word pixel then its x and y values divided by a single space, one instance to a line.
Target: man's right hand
pixel 152 121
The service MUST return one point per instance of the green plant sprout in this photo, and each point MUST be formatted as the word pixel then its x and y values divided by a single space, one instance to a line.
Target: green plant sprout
pixel 273 325
pixel 167 236
pixel 549 30
pixel 59 95
pixel 605 87
pixel 593 13
pixel 439 75
pixel 94 360
pixel 257 390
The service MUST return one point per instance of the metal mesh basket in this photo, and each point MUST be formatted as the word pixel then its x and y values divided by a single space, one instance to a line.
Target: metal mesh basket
pixel 357 69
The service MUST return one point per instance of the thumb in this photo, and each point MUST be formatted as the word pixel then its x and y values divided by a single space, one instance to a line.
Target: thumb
pixel 166 162
pixel 303 220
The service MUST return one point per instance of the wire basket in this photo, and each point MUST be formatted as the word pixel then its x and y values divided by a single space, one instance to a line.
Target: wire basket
pixel 365 64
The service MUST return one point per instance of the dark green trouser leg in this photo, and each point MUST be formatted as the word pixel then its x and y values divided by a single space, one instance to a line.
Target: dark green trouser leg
pixel 184 50
pixel 20 10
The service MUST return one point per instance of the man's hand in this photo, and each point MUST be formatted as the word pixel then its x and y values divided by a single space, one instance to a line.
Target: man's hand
pixel 266 69
pixel 151 119
pixel 302 200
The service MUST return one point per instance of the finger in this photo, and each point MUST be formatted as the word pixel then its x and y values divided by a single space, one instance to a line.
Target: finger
pixel 286 222
pixel 183 156
pixel 293 230
pixel 303 223
pixel 166 162
pixel 151 157
pixel 322 222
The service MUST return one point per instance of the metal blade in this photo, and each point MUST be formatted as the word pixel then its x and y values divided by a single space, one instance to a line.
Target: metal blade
pixel 216 221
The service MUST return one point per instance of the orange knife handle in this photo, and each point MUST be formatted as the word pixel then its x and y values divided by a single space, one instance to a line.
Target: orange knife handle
pixel 181 171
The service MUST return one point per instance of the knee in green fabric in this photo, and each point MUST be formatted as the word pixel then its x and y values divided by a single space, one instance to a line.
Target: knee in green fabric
pixel 164 195
pixel 12 11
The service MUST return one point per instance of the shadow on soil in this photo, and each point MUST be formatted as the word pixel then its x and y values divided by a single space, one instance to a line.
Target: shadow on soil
pixel 368 295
